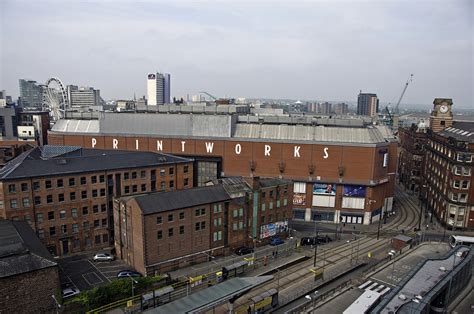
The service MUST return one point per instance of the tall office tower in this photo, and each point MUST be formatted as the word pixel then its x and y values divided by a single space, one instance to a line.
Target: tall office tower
pixel 326 108
pixel 158 89
pixel 367 104
pixel 83 96
pixel 31 94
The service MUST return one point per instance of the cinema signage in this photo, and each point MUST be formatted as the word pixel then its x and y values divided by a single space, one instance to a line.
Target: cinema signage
pixel 267 149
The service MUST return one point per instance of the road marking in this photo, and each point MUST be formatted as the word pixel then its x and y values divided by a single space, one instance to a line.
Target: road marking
pixel 98 270
pixel 99 281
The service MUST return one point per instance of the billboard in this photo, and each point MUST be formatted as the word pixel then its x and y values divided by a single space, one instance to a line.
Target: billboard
pixel 299 199
pixel 324 188
pixel 354 190
pixel 273 229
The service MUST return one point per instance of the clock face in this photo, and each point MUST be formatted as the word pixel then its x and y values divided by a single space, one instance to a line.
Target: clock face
pixel 443 109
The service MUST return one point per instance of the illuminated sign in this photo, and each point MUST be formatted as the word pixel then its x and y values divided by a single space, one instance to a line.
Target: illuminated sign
pixel 354 190
pixel 324 188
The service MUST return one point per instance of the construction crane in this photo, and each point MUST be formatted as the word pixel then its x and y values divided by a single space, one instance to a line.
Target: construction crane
pixel 213 98
pixel 403 93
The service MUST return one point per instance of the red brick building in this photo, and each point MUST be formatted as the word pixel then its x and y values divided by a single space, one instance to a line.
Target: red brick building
pixel 350 156
pixel 66 193
pixel 162 231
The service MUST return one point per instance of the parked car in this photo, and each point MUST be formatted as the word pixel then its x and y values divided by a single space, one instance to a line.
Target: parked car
pixel 324 239
pixel 70 292
pixel 102 257
pixel 276 241
pixel 243 250
pixel 307 241
pixel 128 273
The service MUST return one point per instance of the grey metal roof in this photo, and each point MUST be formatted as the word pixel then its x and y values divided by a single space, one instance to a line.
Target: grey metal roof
pixel 164 201
pixel 229 126
pixel 208 298
pixel 460 130
pixel 36 163
pixel 20 250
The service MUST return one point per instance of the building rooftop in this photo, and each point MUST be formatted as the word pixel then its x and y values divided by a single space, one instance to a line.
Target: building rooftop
pixel 460 130
pixel 59 160
pixel 20 249
pixel 165 201
pixel 268 128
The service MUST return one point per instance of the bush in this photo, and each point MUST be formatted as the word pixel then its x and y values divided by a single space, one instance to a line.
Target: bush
pixel 116 290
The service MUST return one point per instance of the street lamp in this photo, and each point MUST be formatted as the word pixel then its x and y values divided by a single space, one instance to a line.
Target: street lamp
pixel 58 306
pixel 133 281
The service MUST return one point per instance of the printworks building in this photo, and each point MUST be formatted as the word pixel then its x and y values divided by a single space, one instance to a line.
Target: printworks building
pixel 343 170
pixel 66 193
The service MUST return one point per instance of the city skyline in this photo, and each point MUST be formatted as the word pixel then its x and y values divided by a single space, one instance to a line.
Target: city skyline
pixel 278 50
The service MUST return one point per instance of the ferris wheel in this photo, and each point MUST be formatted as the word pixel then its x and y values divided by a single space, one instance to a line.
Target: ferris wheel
pixel 55 98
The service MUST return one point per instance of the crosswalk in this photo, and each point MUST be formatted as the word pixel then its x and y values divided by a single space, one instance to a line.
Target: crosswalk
pixel 374 286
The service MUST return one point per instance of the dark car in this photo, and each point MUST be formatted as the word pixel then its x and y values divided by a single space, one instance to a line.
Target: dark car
pixel 243 250
pixel 324 239
pixel 307 241
pixel 276 241
pixel 128 273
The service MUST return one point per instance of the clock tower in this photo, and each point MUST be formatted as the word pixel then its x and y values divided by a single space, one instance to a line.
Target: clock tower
pixel 441 115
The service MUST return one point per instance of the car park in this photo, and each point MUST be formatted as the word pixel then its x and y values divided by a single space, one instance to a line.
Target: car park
pixel 70 292
pixel 127 274
pixel 103 257
pixel 243 250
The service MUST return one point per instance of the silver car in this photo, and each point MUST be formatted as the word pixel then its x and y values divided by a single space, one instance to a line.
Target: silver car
pixel 70 292
pixel 103 257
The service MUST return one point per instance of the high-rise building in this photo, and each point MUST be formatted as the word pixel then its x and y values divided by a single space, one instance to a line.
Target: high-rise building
pixel 341 109
pixel 367 104
pixel 31 94
pixel 326 108
pixel 158 88
pixel 83 96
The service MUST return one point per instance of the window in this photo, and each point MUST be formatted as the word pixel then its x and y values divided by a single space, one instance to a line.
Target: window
pixel 126 176
pixel 36 186
pixel 263 219
pixel 85 210
pixel 465 185
pixel 76 243
pixel 241 225
pixel 101 178
pixel 24 187
pixel 103 207
pixel 159 235
pixel 170 217
pixel 263 194
pixel 41 233
pixel 236 213
pixel 217 222
pixel 142 174
pixel 200 212
pixel 170 232
pixel 49 199
pixel 85 225
pixel 74 212
pixel 26 202
pixel 162 172
pixel 263 207
pixel 62 214
pixel 97 239
pixel 186 181
pixel 241 212
pixel 63 229
pixel 159 220
pixel 75 228
pixel 270 205
pixel 127 189
pixel 39 217
pixel 48 184
pixel 278 203
pixel 13 203
pixel 104 222
pixel 234 226
pixel 285 202
pixel 171 184
pixel 181 215
pixel 171 171
pixel 134 188
pixel 162 185
pixel 94 179
pixel 197 226
pixel 143 188
pixel 61 197
pixel 203 225
pixel 72 196
pixel 181 229
pixel 83 181
pixel 271 193
pixel 83 194
pixel 185 169
pixel 52 231
pixel 105 238
pixel 134 175
pixel 95 209
pixel 72 181
pixel 94 193
pixel 51 215
pixel 96 223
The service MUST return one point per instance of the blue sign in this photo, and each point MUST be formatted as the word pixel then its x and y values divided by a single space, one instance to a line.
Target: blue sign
pixel 354 190
pixel 324 188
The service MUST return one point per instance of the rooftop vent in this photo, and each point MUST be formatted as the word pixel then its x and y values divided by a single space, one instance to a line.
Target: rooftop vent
pixel 442 268
pixel 402 297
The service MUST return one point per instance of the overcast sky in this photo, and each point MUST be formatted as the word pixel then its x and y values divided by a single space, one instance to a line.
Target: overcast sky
pixel 325 50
